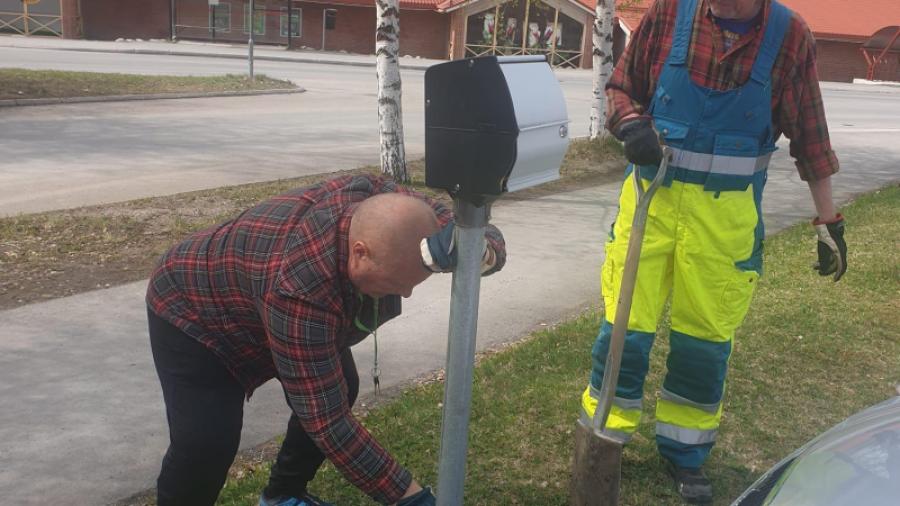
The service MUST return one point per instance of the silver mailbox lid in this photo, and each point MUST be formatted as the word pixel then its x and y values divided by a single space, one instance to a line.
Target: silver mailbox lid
pixel 535 91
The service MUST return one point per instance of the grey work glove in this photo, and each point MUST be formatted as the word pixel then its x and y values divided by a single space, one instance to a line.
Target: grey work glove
pixel 439 251
pixel 423 497
pixel 832 249
pixel 641 141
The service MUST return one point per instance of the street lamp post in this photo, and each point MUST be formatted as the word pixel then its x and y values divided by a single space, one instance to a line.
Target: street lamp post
pixel 250 39
pixel 324 25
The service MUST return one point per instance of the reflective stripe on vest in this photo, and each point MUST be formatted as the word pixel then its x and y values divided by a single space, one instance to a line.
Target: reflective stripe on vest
pixel 686 436
pixel 719 164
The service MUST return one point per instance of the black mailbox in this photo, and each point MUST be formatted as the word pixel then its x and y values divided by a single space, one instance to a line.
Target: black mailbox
pixel 493 124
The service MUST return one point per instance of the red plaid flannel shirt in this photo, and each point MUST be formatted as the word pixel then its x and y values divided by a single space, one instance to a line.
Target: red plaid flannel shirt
pixel 269 294
pixel 797 109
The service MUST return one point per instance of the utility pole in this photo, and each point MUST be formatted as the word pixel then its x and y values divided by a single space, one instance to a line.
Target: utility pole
pixel 250 40
pixel 290 20
pixel 172 18
pixel 325 24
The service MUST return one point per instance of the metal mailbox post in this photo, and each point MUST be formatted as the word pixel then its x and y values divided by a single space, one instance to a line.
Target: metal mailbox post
pixel 492 124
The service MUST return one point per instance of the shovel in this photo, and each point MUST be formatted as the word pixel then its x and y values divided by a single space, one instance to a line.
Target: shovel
pixel 598 457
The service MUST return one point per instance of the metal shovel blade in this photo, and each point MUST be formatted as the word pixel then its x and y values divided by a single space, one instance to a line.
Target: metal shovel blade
pixel 597 468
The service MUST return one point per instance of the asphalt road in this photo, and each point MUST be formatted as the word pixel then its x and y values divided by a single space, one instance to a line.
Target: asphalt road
pixel 64 156
pixel 69 155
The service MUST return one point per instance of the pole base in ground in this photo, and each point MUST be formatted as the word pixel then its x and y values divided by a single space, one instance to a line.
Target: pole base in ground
pixel 597 468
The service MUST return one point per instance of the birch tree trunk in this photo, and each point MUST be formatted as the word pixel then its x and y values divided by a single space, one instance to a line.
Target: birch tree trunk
pixel 602 64
pixel 390 117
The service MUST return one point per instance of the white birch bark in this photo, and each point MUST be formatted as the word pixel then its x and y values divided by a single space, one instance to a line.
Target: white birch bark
pixel 602 64
pixel 390 117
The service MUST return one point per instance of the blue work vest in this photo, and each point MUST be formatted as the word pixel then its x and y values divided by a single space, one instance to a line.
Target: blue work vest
pixel 720 139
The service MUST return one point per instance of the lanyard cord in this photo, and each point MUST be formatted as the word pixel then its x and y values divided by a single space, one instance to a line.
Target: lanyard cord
pixel 374 331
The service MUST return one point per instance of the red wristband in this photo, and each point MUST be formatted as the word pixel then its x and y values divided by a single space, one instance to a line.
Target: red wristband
pixel 837 217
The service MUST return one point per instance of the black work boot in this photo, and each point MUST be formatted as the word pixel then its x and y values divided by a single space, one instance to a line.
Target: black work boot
pixel 690 482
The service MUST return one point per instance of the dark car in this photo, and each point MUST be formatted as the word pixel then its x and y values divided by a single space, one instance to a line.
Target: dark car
pixel 854 463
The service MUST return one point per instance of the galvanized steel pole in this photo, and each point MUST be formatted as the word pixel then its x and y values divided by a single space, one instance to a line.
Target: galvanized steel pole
pixel 470 224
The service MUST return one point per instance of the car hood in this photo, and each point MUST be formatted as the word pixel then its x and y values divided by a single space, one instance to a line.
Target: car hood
pixel 856 462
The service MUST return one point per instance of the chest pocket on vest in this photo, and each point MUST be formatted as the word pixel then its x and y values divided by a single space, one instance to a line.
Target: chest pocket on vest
pixel 674 132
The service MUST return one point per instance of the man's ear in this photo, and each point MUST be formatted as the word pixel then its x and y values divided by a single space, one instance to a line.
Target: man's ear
pixel 359 250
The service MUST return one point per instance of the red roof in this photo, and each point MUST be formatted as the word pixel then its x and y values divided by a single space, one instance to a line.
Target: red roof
pixel 855 19
pixel 846 18
pixel 631 16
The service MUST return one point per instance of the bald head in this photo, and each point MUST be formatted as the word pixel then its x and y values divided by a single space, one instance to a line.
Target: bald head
pixel 385 232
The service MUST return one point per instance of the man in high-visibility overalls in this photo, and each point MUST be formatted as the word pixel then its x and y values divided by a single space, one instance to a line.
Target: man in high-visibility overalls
pixel 719 81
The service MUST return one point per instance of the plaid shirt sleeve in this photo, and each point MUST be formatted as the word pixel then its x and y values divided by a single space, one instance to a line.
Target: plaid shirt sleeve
pixel 303 341
pixel 800 113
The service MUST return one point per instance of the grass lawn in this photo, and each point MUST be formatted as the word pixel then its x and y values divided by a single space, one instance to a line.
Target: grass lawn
pixel 21 83
pixel 810 353
pixel 58 253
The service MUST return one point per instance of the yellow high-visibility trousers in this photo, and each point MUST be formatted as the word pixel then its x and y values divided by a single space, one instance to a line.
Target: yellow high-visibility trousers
pixel 705 249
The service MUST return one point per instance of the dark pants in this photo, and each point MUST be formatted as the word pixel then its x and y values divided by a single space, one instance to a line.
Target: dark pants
pixel 205 409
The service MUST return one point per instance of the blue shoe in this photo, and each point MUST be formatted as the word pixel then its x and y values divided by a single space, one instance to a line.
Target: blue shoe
pixel 304 500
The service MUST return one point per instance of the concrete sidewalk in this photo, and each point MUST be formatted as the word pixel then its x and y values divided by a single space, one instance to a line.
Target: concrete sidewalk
pixel 81 415
pixel 206 49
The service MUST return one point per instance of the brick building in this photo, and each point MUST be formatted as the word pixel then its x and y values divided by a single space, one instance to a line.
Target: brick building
pixel 561 29
pixel 429 28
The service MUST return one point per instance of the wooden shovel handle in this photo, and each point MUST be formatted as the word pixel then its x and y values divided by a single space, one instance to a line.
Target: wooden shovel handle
pixel 626 290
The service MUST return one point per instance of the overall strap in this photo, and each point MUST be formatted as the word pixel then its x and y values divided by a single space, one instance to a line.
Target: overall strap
pixel 684 25
pixel 776 26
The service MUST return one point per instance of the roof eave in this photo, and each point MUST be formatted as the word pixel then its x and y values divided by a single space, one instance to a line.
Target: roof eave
pixel 840 37
pixel 452 8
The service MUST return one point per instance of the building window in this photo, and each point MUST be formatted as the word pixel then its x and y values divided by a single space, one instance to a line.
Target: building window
pixel 220 17
pixel 296 19
pixel 525 27
pixel 259 19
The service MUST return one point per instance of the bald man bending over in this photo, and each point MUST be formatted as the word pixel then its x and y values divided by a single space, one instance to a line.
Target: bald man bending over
pixel 283 291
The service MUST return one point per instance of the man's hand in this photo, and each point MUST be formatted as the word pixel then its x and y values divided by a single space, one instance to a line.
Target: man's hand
pixel 832 248
pixel 439 252
pixel 641 141
pixel 423 497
